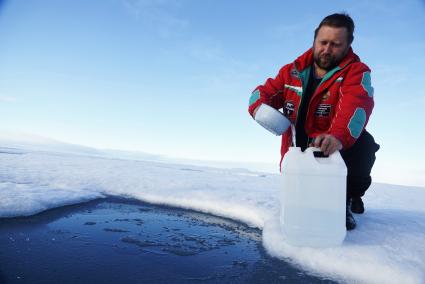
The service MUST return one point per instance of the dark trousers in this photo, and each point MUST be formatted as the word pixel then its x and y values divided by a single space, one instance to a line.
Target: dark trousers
pixel 359 160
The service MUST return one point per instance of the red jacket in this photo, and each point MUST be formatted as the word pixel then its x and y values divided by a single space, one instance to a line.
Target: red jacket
pixel 341 104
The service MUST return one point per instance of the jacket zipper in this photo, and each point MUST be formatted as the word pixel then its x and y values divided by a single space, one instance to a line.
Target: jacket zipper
pixel 299 105
pixel 312 96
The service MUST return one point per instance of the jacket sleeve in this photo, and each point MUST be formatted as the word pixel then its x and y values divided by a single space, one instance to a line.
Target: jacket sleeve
pixel 355 105
pixel 269 93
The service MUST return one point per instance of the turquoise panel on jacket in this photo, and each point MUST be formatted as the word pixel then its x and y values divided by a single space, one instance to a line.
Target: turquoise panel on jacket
pixel 367 84
pixel 357 122
pixel 255 96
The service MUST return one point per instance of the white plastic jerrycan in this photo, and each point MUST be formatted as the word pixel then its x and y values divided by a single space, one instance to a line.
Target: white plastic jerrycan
pixel 313 198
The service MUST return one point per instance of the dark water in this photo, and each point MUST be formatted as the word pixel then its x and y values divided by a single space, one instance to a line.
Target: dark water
pixel 127 241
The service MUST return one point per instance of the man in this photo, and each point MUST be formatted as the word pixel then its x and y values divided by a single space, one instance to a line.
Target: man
pixel 327 94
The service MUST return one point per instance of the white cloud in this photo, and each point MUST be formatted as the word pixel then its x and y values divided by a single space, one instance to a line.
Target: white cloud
pixel 285 32
pixel 390 77
pixel 413 102
pixel 7 99
pixel 206 49
pixel 158 15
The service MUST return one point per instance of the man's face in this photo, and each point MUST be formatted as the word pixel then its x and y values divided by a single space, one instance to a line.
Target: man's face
pixel 330 47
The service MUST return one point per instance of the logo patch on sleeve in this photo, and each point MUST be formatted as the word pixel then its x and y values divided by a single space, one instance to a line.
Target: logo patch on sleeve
pixel 295 73
pixel 323 110
pixel 288 109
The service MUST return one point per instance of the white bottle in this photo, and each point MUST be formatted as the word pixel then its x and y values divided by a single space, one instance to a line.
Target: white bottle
pixel 272 119
pixel 313 198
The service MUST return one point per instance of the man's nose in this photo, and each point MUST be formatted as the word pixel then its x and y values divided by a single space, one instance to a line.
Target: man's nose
pixel 327 48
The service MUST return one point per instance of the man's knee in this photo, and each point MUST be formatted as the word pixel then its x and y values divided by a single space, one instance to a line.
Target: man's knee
pixel 357 185
pixel 360 158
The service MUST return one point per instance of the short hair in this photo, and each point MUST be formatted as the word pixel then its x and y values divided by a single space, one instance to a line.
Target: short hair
pixel 336 20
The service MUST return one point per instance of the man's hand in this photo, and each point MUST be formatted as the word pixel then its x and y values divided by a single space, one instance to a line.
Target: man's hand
pixel 327 143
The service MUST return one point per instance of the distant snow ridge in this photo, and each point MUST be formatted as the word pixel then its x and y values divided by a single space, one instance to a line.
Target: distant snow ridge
pixel 387 247
pixel 30 142
pixel 22 142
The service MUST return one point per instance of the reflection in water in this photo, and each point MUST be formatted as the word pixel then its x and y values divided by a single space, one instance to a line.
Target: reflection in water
pixel 127 241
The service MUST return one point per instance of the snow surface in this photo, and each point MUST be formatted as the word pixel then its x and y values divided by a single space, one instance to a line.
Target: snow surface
pixel 388 245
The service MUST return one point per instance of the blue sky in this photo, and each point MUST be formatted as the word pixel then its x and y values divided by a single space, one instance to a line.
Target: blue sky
pixel 174 77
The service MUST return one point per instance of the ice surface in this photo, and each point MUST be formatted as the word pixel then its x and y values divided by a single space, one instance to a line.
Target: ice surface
pixel 387 247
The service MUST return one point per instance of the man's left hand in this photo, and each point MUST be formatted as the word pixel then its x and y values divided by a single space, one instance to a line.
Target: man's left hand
pixel 327 143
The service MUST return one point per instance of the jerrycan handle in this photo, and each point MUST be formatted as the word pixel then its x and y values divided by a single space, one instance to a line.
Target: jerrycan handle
pixel 317 153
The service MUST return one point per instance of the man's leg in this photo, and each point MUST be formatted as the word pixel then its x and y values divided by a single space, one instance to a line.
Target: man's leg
pixel 359 160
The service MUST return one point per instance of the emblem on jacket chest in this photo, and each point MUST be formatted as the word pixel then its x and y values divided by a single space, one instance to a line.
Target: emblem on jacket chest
pixel 326 96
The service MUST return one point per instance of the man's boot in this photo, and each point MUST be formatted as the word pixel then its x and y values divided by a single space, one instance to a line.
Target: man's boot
pixel 357 205
pixel 350 222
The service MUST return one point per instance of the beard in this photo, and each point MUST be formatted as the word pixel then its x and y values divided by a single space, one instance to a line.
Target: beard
pixel 328 61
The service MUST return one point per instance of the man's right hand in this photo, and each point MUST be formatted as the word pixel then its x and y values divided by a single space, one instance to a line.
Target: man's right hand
pixel 327 143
